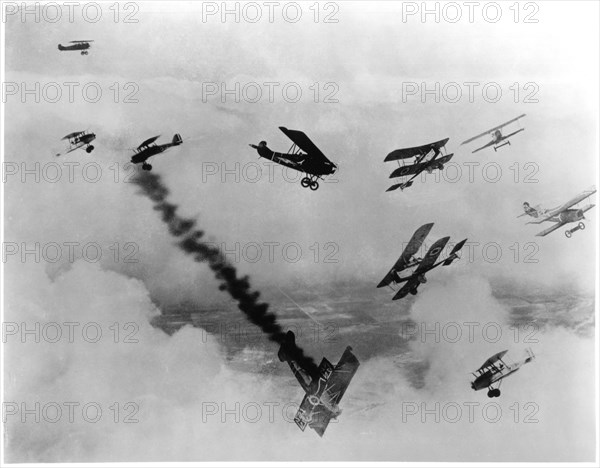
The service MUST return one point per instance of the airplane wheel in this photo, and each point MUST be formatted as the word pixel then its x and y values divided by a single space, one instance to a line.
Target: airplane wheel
pixel 305 182
pixel 568 234
pixel 147 167
pixel 497 392
pixel 413 292
pixel 89 149
pixel 581 226
pixel 490 393
pixel 314 185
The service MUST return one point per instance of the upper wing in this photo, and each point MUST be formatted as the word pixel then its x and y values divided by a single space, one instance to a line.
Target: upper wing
pixel 573 201
pixel 71 135
pixel 493 129
pixel 493 359
pixel 407 170
pixel 416 151
pixel 432 255
pixel 75 42
pixel 148 141
pixel 413 245
pixel 454 254
pixel 304 143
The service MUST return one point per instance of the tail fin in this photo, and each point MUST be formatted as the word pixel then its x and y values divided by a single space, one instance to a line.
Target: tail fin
pixel 60 47
pixel 177 140
pixel 454 254
pixel 530 355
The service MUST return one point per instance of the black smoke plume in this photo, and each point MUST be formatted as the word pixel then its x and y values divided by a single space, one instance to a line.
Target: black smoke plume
pixel 238 288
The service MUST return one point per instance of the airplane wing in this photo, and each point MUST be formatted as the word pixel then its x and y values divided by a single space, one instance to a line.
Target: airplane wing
pixel 432 255
pixel 404 290
pixel 304 143
pixel 493 129
pixel 573 201
pixel 342 375
pixel 416 151
pixel 492 360
pixel 491 143
pixel 552 228
pixel 406 170
pixel 76 42
pixel 413 245
pixel 316 417
pixel 71 135
pixel 148 142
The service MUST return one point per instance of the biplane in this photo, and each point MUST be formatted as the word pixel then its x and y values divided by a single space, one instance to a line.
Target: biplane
pixel 420 266
pixel 494 370
pixel 497 137
pixel 561 215
pixel 77 140
pixel 324 390
pixel 149 148
pixel 83 46
pixel 426 158
pixel 303 156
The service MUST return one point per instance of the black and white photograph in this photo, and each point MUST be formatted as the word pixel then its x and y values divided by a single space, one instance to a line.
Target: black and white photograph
pixel 241 233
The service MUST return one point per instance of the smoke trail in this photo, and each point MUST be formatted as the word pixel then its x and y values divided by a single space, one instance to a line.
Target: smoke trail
pixel 238 288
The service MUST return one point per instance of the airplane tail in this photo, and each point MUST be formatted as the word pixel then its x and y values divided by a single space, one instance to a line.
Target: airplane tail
pixel 454 254
pixel 60 47
pixel 177 140
pixel 530 355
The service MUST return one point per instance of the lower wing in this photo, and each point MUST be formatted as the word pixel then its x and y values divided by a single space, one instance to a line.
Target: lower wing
pixel 551 229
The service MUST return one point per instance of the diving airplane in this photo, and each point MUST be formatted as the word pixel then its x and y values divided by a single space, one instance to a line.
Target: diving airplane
pixel 494 370
pixel 423 265
pixel 77 45
pixel 497 136
pixel 312 162
pixel 324 390
pixel 78 140
pixel 148 149
pixel 561 215
pixel 426 159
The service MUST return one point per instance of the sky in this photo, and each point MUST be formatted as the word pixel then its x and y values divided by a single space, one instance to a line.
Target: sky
pixel 172 61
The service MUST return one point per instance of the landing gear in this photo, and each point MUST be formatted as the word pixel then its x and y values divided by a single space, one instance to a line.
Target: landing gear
pixel 579 227
pixel 84 52
pixel 413 291
pixel 310 182
pixel 493 392
pixel 147 167
pixel 89 149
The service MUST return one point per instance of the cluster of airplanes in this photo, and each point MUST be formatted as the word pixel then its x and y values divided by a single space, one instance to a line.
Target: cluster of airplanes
pixel 325 388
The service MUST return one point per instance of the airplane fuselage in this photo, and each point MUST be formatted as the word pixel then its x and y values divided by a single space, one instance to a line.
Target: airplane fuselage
pixel 150 151
pixel 82 46
pixel 298 161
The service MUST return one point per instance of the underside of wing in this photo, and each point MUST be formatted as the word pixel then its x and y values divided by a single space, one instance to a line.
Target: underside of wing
pixel 407 170
pixel 422 150
pixel 71 135
pixel 304 143
pixel 404 290
pixel 493 359
pixel 414 244
pixel 552 228
pixel 148 141
pixel 432 255
pixel 342 375
pixel 491 143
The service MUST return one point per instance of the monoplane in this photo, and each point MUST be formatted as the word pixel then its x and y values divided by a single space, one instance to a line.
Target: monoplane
pixel 496 135
pixel 324 390
pixel 420 266
pixel 77 140
pixel 426 158
pixel 561 215
pixel 83 46
pixel 149 148
pixel 494 370
pixel 303 156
